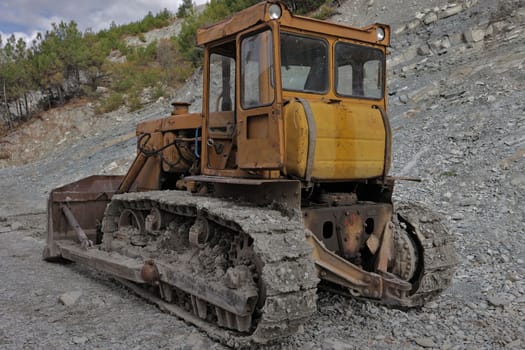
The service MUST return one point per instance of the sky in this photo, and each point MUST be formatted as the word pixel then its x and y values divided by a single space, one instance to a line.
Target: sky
pixel 25 18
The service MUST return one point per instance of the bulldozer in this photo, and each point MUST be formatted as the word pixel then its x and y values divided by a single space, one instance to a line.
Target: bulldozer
pixel 234 217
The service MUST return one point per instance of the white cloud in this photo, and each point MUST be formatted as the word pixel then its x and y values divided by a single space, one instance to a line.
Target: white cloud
pixel 25 18
pixel 28 37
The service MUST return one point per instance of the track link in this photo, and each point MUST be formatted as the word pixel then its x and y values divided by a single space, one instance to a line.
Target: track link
pixel 288 278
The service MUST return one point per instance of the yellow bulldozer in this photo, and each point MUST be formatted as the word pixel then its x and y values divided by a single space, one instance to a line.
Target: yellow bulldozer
pixel 232 218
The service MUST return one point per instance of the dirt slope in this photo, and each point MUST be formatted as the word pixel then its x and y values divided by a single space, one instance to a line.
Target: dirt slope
pixel 457 109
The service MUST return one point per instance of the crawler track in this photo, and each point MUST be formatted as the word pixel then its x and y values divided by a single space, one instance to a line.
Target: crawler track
pixel 278 258
pixel 425 249
pixel 435 247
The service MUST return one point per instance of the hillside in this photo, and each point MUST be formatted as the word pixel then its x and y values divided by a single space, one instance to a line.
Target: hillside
pixel 457 109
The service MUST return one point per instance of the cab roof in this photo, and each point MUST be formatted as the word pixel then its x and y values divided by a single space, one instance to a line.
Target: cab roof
pixel 259 13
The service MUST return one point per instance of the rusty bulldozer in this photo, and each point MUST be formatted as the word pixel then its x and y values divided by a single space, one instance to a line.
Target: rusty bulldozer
pixel 231 218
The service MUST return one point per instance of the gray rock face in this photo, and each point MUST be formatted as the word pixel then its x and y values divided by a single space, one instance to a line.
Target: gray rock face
pixel 155 35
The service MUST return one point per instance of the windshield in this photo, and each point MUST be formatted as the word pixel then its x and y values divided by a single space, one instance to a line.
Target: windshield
pixel 304 63
pixel 358 71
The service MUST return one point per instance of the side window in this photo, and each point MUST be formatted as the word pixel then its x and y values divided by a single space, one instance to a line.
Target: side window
pixel 256 70
pixel 359 71
pixel 222 83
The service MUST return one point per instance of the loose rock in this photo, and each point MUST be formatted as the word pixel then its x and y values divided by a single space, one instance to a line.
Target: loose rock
pixel 80 340
pixel 69 298
pixel 430 18
pixel 500 299
pixel 473 35
pixel 425 342
pixel 17 226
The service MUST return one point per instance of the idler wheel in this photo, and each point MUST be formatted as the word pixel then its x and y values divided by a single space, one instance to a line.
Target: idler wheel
pixel 406 256
pixel 131 223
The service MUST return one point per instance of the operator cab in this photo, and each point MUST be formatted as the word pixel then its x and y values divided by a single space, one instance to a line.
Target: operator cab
pixel 246 92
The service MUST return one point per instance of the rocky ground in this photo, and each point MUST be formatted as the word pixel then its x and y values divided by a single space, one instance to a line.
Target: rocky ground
pixel 457 109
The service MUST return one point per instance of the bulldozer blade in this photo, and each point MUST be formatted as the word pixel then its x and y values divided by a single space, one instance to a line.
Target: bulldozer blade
pixel 86 202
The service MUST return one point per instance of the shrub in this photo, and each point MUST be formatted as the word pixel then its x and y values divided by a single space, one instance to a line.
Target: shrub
pixel 150 76
pixel 303 6
pixel 134 102
pixel 324 12
pixel 185 9
pixel 111 103
pixel 158 92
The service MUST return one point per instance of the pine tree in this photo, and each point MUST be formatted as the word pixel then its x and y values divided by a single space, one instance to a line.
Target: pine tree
pixel 185 9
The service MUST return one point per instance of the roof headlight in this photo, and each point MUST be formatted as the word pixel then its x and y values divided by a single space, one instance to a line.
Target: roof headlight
pixel 380 33
pixel 275 11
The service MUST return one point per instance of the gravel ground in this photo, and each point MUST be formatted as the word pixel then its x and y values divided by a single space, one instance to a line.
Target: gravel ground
pixel 458 115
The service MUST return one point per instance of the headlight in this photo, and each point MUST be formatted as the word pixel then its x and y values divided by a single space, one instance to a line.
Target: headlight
pixel 380 34
pixel 275 11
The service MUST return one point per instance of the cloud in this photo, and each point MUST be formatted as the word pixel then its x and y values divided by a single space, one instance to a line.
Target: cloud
pixel 25 18
pixel 27 37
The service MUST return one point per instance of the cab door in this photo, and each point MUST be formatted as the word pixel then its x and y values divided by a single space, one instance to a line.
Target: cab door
pixel 260 132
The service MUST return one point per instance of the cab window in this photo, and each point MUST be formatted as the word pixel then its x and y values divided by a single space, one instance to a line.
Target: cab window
pixel 304 63
pixel 257 88
pixel 359 71
pixel 221 91
pixel 222 81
